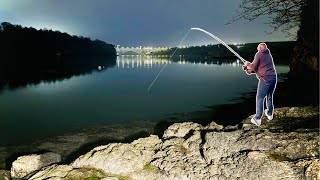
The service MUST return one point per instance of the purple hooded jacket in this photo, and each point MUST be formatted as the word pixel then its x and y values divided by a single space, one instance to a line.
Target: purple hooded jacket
pixel 263 65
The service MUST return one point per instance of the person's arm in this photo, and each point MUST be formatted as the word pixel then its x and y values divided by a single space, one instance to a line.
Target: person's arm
pixel 249 67
pixel 255 64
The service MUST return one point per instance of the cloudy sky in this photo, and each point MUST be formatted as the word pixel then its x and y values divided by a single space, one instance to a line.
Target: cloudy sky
pixel 139 22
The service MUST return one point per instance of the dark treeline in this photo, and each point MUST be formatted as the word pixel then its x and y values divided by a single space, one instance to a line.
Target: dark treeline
pixel 281 51
pixel 28 55
pixel 22 41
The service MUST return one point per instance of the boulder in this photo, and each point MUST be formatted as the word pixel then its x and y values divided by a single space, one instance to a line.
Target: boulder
pixel 118 158
pixel 181 129
pixel 213 126
pixel 67 172
pixel 25 165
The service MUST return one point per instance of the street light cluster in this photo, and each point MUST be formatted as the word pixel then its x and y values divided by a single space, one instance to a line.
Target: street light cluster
pixel 180 47
pixel 141 47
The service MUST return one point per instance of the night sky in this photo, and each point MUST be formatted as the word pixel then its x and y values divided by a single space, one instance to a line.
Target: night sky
pixel 139 22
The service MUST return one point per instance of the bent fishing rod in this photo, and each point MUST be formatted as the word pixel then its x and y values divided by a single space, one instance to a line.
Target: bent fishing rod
pixel 223 43
pixel 211 35
pixel 228 47
pixel 220 41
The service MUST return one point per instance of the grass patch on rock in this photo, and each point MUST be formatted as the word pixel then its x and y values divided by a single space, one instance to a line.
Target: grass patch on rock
pixel 149 167
pixel 93 178
pixel 86 173
pixel 121 177
pixel 92 174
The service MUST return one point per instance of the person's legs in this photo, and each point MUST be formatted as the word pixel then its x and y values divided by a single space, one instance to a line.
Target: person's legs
pixel 262 91
pixel 270 107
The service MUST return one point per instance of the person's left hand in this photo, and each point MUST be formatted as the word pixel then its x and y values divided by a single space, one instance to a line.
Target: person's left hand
pixel 249 71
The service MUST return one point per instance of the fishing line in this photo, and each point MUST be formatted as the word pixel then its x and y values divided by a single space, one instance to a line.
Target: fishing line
pixel 155 79
pixel 214 37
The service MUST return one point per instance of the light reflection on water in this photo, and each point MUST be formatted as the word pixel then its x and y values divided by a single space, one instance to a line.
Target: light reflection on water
pixel 118 95
pixel 139 61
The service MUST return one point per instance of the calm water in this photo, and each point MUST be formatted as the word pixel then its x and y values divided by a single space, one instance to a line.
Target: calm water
pixel 119 95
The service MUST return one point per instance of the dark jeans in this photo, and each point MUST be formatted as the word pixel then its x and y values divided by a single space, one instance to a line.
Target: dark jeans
pixel 265 89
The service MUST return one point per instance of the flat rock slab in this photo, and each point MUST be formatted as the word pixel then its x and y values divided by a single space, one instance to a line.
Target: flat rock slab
pixel 25 165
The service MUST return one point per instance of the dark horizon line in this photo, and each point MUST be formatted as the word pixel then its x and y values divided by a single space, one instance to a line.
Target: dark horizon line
pixel 44 29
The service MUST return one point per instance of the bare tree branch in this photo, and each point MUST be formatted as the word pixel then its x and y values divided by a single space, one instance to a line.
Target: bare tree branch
pixel 282 15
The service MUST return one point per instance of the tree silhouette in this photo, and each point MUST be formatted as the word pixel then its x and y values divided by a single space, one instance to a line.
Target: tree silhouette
pixel 29 55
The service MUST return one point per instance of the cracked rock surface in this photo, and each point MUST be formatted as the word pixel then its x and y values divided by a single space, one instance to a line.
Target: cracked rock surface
pixel 284 148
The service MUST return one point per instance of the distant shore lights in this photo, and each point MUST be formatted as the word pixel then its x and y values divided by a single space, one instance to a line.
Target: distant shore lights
pixel 141 50
pixel 138 50
pixel 137 61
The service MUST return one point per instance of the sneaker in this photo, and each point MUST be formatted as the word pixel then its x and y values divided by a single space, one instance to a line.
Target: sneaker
pixel 269 117
pixel 256 121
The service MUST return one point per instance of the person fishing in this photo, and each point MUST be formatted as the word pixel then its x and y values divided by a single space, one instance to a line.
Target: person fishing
pixel 263 67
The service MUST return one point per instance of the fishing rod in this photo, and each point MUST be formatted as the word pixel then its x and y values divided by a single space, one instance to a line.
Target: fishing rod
pixel 219 40
pixel 244 67
pixel 223 43
pixel 214 37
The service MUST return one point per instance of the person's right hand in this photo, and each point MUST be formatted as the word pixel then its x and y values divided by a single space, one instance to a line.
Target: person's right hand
pixel 246 63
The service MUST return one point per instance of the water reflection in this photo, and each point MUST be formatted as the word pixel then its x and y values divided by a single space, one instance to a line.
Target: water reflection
pixel 119 95
pixel 66 67
pixel 139 61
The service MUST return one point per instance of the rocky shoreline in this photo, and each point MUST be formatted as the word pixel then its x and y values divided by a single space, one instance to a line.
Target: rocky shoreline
pixel 284 148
